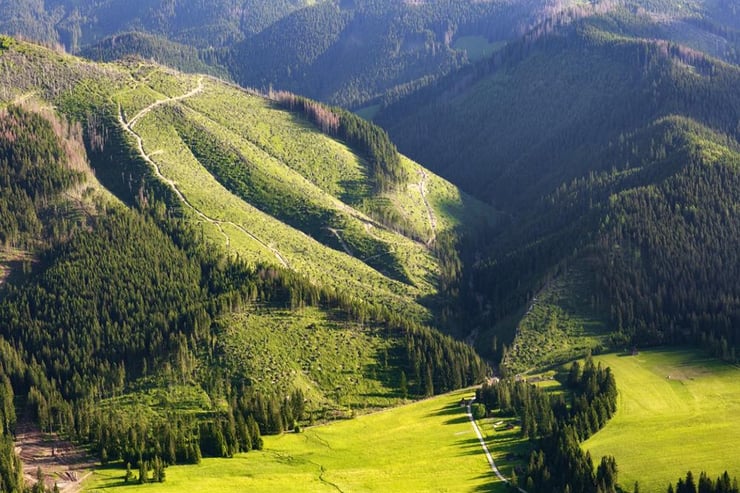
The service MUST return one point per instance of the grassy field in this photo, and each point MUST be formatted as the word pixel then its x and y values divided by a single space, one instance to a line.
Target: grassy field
pixel 425 446
pixel 678 410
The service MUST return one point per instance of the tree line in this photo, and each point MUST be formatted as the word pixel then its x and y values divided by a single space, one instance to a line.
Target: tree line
pixel 557 428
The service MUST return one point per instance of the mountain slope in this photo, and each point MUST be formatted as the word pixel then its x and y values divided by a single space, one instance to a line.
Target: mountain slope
pixel 351 53
pixel 193 312
pixel 616 121
pixel 531 133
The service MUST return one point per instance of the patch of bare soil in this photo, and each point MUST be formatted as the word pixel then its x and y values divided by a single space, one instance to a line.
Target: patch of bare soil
pixel 62 462
pixel 11 263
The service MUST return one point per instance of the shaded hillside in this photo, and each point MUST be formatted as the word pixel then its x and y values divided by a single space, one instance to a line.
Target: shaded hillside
pixel 510 134
pixel 343 52
pixel 601 157
pixel 199 24
pixel 357 54
pixel 179 56
pixel 353 52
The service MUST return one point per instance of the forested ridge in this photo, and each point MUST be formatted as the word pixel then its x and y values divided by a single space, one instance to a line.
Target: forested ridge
pixel 347 53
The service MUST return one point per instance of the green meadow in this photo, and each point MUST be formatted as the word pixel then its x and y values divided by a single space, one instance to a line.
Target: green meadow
pixel 425 446
pixel 678 410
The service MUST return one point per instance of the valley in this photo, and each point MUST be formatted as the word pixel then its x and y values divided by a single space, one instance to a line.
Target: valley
pixel 217 273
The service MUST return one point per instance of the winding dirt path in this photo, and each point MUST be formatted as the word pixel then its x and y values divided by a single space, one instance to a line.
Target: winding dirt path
pixel 128 127
pixel 430 212
pixel 161 102
pixel 345 247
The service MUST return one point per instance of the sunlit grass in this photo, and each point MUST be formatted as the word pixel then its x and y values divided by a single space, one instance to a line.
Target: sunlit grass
pixel 677 411
pixel 425 446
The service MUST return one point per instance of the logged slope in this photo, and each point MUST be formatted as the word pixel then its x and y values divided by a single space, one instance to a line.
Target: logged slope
pixel 270 187
pixel 205 314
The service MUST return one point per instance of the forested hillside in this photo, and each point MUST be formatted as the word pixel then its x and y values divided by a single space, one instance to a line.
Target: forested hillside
pixel 356 54
pixel 347 53
pixel 151 47
pixel 189 311
pixel 352 53
pixel 620 162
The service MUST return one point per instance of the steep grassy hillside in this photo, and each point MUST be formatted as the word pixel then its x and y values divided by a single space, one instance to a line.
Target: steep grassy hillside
pixel 206 311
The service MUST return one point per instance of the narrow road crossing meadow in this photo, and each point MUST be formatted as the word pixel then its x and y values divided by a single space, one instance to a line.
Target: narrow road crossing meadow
pixel 494 468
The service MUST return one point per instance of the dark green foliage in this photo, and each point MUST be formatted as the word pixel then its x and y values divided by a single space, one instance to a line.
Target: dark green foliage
pixel 179 56
pixel 674 276
pixel 478 410
pixel 508 140
pixel 640 195
pixel 557 428
pixel 352 53
pixel 723 484
pixel 118 298
pixel 33 172
pixel 437 362
pixel 11 471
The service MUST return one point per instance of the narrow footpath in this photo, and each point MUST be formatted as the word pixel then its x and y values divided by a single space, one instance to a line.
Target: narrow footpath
pixel 128 126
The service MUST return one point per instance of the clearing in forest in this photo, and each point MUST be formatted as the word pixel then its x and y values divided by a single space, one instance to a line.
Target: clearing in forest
pixel 678 410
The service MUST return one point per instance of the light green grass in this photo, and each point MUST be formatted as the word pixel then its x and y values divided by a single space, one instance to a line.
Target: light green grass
pixel 332 362
pixel 425 446
pixel 303 253
pixel 560 324
pixel 666 426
